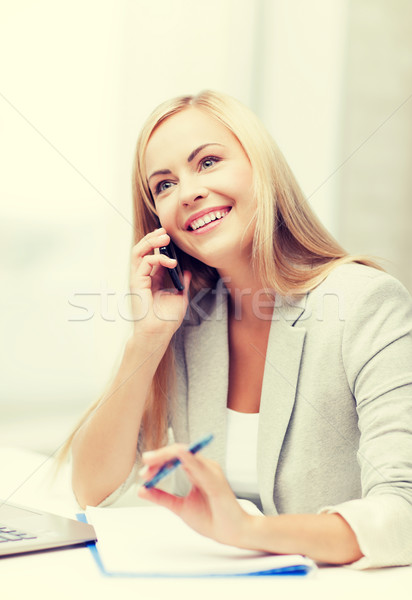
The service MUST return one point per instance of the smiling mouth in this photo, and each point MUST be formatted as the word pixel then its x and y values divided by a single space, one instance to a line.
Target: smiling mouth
pixel 213 215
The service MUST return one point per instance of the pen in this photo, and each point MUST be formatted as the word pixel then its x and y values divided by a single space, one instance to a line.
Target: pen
pixel 171 465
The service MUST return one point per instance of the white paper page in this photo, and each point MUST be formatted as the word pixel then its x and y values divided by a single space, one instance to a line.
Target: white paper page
pixel 153 540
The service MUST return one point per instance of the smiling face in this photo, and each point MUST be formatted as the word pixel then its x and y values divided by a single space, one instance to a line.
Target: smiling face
pixel 201 182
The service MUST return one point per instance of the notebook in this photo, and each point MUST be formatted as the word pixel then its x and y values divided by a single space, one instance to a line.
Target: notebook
pixel 154 542
pixel 27 530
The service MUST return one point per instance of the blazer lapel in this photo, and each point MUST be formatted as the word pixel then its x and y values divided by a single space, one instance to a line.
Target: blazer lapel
pixel 279 385
pixel 207 361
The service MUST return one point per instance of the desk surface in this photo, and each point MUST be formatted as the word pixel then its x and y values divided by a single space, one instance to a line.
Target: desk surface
pixel 72 573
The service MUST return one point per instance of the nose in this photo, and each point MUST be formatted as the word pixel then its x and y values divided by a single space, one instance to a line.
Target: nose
pixel 190 191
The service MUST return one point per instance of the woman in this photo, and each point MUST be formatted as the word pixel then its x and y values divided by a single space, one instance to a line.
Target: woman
pixel 297 356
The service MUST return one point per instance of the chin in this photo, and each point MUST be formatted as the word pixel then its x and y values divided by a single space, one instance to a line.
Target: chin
pixel 221 256
pixel 220 262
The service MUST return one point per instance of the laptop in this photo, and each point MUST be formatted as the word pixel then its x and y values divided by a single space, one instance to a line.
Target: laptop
pixel 30 530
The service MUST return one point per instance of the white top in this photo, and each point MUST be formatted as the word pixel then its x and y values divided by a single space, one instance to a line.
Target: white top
pixel 241 453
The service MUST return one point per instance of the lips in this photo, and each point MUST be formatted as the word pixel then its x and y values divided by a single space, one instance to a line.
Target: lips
pixel 206 216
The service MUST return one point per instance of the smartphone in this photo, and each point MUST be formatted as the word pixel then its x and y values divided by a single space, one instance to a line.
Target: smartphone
pixel 174 273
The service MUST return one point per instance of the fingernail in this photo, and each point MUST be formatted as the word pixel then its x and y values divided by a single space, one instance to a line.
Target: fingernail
pixel 143 470
pixel 147 454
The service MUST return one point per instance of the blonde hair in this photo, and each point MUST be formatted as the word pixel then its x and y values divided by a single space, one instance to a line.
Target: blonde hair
pixel 292 251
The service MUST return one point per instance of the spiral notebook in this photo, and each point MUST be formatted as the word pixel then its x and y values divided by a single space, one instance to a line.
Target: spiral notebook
pixel 153 542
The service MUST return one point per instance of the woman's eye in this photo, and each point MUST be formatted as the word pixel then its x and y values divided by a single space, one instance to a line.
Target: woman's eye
pixel 162 186
pixel 208 162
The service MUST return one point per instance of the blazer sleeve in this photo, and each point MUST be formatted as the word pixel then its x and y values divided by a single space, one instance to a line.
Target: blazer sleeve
pixel 377 355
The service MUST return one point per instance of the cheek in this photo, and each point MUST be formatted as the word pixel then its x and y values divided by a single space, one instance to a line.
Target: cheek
pixel 165 215
pixel 236 183
pixel 242 176
pixel 243 188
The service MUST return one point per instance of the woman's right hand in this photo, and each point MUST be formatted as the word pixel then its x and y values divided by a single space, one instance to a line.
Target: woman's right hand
pixel 155 310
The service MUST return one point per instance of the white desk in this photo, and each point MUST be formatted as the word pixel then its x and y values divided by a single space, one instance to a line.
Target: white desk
pixel 72 573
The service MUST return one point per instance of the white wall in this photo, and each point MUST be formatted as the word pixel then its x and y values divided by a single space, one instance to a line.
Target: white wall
pixel 375 207
pixel 301 83
pixel 57 184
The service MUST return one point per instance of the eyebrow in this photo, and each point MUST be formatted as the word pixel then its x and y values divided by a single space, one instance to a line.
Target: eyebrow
pixel 191 156
pixel 160 172
pixel 199 149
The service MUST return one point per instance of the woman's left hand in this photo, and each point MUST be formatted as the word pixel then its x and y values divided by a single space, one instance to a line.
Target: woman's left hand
pixel 211 507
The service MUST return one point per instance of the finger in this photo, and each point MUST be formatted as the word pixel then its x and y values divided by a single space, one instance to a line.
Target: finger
pixel 152 240
pixel 202 472
pixel 147 240
pixel 162 455
pixel 147 472
pixel 148 267
pixel 161 498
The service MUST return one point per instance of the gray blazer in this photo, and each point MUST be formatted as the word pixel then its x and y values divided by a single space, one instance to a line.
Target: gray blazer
pixel 335 425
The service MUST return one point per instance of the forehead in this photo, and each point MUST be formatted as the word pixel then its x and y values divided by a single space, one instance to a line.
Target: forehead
pixel 180 134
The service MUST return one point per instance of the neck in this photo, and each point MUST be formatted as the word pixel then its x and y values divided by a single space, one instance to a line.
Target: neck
pixel 249 301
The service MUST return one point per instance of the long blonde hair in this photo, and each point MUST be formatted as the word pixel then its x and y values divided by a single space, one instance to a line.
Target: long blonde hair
pixel 292 251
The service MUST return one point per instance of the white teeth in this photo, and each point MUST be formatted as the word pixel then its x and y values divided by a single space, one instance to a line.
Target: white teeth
pixel 212 216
